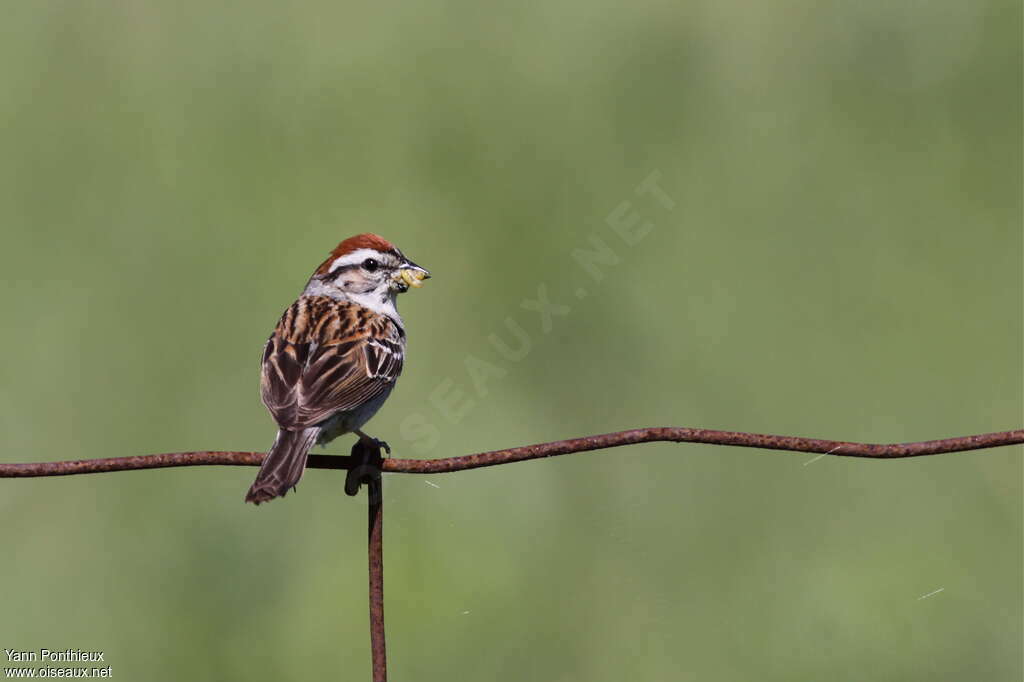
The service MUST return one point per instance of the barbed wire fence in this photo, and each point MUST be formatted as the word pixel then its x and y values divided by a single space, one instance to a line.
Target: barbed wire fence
pixel 366 466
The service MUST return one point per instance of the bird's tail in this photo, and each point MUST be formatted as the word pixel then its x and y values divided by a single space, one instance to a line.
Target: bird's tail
pixel 284 464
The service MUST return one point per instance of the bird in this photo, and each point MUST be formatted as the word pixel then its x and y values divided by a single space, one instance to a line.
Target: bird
pixel 334 356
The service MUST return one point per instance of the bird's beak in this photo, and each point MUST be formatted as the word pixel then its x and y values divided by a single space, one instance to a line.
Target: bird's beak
pixel 411 274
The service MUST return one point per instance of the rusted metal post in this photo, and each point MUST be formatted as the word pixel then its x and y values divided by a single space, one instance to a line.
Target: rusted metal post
pixel 365 468
pixel 376 557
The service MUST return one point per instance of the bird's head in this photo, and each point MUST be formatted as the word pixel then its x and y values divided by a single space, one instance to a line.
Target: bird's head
pixel 368 269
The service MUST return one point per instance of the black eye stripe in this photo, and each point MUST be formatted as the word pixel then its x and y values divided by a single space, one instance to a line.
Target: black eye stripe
pixel 338 272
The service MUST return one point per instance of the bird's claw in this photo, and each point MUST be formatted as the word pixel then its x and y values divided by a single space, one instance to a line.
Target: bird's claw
pixel 378 444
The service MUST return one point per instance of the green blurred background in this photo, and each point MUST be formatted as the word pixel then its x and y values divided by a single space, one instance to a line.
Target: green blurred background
pixel 842 259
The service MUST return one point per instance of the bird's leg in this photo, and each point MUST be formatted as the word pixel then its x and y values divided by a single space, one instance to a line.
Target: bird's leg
pixel 373 442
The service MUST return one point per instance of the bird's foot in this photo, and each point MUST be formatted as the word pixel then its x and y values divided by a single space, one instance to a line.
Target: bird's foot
pixel 372 442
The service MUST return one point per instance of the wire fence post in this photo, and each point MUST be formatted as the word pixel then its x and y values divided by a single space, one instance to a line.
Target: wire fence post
pixel 375 551
pixel 366 465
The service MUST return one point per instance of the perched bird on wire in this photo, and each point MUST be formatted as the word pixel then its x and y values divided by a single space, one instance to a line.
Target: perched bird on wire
pixel 334 356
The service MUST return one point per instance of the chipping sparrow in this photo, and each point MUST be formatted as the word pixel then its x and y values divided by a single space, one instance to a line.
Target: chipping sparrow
pixel 334 356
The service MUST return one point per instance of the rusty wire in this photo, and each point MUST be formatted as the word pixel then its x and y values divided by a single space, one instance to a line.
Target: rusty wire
pixel 365 466
pixel 518 454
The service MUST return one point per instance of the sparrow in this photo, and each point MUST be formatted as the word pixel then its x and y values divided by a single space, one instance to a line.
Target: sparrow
pixel 334 356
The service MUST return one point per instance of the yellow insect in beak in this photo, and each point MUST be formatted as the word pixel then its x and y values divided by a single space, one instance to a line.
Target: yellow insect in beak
pixel 412 274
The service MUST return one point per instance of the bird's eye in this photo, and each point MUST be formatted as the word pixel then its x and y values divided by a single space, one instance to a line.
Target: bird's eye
pixel 370 265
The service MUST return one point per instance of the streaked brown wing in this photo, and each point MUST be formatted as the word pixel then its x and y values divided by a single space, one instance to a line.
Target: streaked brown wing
pixel 325 360
pixel 342 377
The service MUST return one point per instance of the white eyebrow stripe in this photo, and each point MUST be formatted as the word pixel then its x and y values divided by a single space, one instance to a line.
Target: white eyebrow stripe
pixel 357 256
